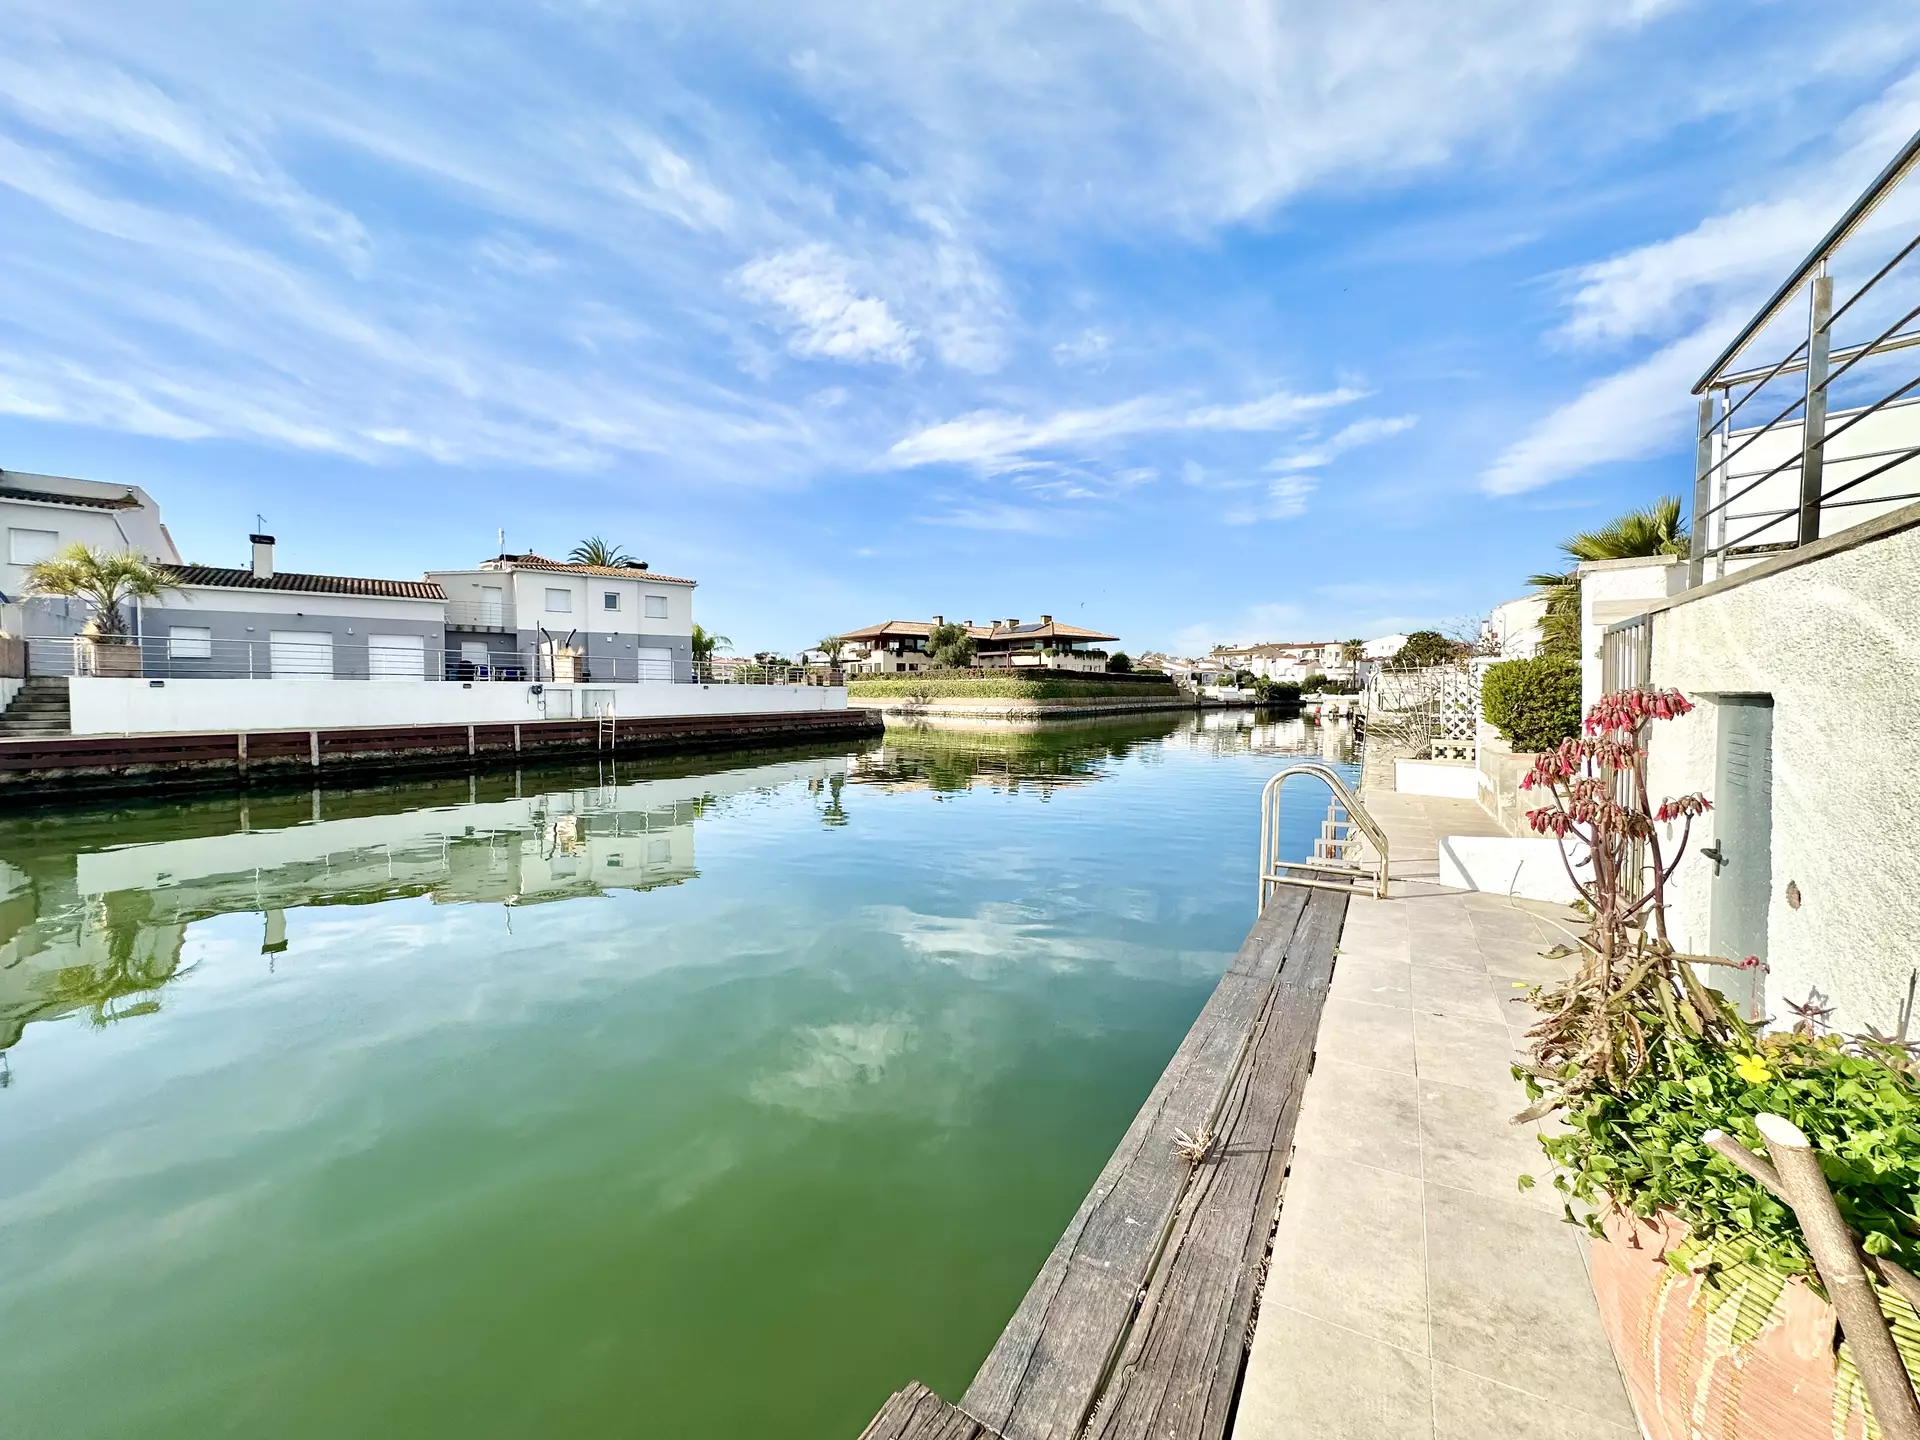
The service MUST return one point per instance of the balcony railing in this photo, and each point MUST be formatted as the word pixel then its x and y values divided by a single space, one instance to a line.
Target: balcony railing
pixel 318 657
pixel 1810 425
pixel 480 615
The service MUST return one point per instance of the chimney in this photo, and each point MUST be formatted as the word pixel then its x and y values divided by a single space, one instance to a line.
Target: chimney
pixel 939 620
pixel 262 556
pixel 1046 619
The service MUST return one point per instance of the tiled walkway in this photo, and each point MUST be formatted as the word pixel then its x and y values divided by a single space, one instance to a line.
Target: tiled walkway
pixel 1415 1290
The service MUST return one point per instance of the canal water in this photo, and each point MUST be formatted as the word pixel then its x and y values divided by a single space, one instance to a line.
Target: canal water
pixel 705 1098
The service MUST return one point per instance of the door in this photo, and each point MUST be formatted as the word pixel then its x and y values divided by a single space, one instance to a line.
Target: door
pixel 475 663
pixel 654 662
pixel 396 657
pixel 493 606
pixel 301 654
pixel 1742 851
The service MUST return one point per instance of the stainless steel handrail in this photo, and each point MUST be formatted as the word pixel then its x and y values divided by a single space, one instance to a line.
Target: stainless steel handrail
pixel 1274 870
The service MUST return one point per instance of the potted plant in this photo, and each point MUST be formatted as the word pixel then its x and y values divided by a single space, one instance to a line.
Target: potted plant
pixel 104 580
pixel 1706 1282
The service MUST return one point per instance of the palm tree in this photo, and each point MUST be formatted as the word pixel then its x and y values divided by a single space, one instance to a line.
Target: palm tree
pixel 831 646
pixel 1656 530
pixel 102 578
pixel 704 644
pixel 595 551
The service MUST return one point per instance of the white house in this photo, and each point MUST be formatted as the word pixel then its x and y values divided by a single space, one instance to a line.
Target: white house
pixel 627 622
pixel 1512 629
pixel 41 515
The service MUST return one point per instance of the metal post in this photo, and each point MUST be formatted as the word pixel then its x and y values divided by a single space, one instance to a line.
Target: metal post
pixel 1702 490
pixel 1819 333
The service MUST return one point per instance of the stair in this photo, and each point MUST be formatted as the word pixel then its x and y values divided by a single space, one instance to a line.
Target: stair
pixel 42 708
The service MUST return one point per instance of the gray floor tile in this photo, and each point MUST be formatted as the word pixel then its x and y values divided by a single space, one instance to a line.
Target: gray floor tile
pixel 1469 1142
pixel 1463 1052
pixel 1469 1407
pixel 1363 1034
pixel 1503 1275
pixel 1383 982
pixel 1466 993
pixel 1367 1116
pixel 1334 1213
pixel 1308 1380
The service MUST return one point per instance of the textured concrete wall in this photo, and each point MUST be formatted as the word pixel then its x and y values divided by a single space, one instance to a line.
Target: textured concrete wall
pixel 1836 643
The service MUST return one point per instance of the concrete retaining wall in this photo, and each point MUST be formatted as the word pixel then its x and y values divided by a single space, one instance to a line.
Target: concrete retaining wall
pixel 146 707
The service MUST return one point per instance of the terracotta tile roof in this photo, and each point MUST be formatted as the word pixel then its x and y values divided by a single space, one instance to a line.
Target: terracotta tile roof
pixel 921 629
pixel 85 502
pixel 223 578
pixel 540 562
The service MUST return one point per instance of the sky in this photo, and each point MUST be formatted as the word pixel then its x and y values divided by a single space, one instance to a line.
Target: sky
pixel 1185 320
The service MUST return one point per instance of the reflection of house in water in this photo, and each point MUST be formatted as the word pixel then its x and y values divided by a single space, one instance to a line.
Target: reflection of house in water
pixel 953 756
pixel 96 929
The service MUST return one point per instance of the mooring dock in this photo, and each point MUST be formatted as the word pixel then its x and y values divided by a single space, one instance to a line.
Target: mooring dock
pixel 1352 1257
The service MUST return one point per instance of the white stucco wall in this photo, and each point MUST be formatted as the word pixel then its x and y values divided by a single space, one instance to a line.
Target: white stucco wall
pixel 1616 590
pixel 129 707
pixel 1836 642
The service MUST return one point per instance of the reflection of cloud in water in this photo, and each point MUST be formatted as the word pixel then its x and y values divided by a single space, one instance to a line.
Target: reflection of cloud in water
pixel 999 938
pixel 837 1061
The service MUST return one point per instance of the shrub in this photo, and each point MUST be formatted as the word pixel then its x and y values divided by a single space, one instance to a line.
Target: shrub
pixel 1119 664
pixel 1276 692
pixel 1427 647
pixel 1313 684
pixel 1535 704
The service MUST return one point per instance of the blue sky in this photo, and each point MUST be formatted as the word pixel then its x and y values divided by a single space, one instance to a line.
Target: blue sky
pixel 1192 320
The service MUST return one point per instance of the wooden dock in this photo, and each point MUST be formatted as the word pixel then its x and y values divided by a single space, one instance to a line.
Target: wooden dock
pixel 1138 1323
pixel 64 765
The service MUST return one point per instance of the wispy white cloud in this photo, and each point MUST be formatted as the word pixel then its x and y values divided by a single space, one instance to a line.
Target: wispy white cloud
pixel 824 315
pixel 995 441
pixel 1361 432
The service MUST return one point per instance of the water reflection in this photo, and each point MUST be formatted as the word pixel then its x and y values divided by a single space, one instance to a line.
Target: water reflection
pixel 100 931
pixel 95 903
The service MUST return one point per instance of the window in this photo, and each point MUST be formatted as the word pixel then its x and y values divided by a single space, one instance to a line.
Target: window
pixel 26 546
pixel 611 600
pixel 656 607
pixel 189 642
pixel 559 602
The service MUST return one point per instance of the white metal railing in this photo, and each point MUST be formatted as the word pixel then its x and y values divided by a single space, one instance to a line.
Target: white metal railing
pixel 1339 858
pixel 481 615
pixel 1844 447
pixel 187 653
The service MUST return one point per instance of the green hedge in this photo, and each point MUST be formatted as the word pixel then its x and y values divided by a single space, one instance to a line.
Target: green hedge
pixel 1535 704
pixel 1009 689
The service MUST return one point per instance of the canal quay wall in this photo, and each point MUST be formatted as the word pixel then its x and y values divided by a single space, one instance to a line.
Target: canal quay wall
pixel 225 755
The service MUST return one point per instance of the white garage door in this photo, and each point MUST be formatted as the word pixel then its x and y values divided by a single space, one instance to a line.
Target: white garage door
pixel 301 654
pixel 396 657
pixel 654 663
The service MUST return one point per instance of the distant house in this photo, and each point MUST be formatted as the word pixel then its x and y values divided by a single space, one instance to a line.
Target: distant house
pixel 626 621
pixel 899 647
pixel 1286 661
pixel 1512 629
pixel 40 515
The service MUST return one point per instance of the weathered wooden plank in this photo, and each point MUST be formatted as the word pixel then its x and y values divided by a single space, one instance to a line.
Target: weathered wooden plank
pixel 1043 1375
pixel 1177 1377
pixel 916 1413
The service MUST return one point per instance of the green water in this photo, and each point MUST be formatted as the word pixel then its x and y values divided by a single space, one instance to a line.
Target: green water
pixel 712 1099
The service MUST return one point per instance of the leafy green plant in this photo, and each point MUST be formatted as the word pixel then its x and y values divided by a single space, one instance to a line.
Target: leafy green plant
pixel 1119 663
pixel 1314 684
pixel 1535 704
pixel 950 646
pixel 104 579
pixel 595 551
pixel 1655 530
pixel 1426 647
pixel 1283 693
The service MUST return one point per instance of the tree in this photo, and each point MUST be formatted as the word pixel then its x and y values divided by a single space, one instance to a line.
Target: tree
pixel 831 646
pixel 102 578
pixel 704 643
pixel 1118 663
pixel 950 645
pixel 1656 530
pixel 1353 651
pixel 595 551
pixel 1313 684
pixel 1424 648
